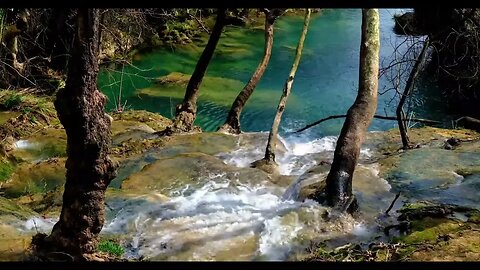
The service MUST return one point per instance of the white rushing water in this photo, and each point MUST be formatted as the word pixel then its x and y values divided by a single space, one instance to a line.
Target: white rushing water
pixel 226 219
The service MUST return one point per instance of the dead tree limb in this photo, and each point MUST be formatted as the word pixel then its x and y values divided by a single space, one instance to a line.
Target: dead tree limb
pixel 402 125
pixel 419 120
pixel 393 203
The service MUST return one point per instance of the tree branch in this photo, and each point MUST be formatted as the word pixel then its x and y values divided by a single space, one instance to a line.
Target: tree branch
pixel 420 120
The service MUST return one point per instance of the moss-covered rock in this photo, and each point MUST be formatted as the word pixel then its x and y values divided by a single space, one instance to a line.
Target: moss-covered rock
pixel 154 120
pixel 42 145
pixel 32 113
pixel 169 175
pixel 12 212
pixel 32 178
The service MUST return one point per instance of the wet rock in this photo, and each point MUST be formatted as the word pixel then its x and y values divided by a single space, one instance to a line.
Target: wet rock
pixel 451 143
pixel 14 245
pixel 192 169
pixel 33 178
pixel 154 120
pixel 11 211
pixel 45 144
pixel 270 167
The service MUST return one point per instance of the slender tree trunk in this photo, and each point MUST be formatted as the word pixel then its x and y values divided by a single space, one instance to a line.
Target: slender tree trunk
pixel 232 124
pixel 269 159
pixel 187 111
pixel 359 116
pixel 80 108
pixel 402 125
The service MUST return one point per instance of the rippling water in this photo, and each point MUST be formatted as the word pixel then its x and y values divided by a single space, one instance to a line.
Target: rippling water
pixel 325 83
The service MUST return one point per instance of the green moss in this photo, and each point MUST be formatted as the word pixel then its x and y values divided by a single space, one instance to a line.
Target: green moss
pixel 428 230
pixel 474 217
pixel 9 209
pixel 27 103
pixel 30 179
pixel 218 90
pixel 6 170
pixel 111 247
pixel 413 206
pixel 153 120
pixel 12 101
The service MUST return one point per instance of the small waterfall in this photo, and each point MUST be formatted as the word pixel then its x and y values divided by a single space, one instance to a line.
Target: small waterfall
pixel 308 178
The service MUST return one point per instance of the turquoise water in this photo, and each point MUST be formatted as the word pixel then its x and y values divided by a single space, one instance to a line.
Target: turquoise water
pixel 325 83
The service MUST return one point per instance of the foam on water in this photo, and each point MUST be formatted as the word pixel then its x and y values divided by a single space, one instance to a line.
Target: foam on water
pixel 212 215
pixel 224 218
pixel 298 157
pixel 39 224
pixel 25 144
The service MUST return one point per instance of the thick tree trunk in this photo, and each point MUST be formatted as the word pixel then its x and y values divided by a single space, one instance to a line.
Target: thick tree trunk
pixel 187 111
pixel 359 116
pixel 402 125
pixel 80 108
pixel 232 124
pixel 269 159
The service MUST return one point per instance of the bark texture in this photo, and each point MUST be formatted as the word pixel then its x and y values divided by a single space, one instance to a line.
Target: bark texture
pixel 339 179
pixel 232 124
pixel 80 108
pixel 186 112
pixel 269 158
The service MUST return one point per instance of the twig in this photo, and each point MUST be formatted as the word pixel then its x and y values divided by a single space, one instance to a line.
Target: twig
pixel 200 23
pixel 420 120
pixel 393 202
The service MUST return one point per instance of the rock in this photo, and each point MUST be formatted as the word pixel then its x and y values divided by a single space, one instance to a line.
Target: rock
pixel 41 177
pixel 453 141
pixel 448 146
pixel 267 166
pixel 170 174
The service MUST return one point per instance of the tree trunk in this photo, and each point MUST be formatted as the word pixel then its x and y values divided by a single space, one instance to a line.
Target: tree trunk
pixel 80 108
pixel 232 124
pixel 187 111
pixel 10 39
pixel 402 125
pixel 269 159
pixel 359 116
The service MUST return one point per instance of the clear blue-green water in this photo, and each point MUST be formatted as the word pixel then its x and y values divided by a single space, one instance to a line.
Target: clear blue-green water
pixel 325 84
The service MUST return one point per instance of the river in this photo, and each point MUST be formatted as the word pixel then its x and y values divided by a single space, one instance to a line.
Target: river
pixel 325 84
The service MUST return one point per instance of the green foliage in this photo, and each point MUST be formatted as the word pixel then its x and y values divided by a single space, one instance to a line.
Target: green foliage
pixel 12 101
pixel 111 248
pixel 6 170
